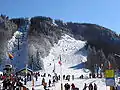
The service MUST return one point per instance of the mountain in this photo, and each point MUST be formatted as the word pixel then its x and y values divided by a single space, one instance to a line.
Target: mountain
pixel 95 35
pixel 44 33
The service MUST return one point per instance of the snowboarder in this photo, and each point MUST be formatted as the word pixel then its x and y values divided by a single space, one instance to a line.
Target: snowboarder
pixel 90 86
pixel 72 86
pixel 95 86
pixel 85 87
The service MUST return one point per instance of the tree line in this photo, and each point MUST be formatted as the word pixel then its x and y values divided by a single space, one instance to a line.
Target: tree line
pixel 97 57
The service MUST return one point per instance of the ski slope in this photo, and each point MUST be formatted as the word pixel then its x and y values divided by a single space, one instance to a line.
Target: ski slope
pixel 72 54
pixel 69 49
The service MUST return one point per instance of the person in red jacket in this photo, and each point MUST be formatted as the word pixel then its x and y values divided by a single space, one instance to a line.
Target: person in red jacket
pixel 72 86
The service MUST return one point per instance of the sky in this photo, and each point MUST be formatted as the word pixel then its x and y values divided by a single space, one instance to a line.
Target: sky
pixel 103 12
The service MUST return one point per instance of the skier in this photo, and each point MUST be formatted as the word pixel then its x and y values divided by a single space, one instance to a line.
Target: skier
pixel 90 86
pixel 93 75
pixel 82 76
pixel 4 84
pixel 72 77
pixel 36 77
pixel 95 86
pixel 90 75
pixel 53 82
pixel 30 77
pixel 67 86
pixel 72 86
pixel 49 82
pixel 85 87
pixel 68 77
pixel 25 81
pixel 63 77
pixel 45 85
pixel 43 80
pixel 59 77
pixel 44 75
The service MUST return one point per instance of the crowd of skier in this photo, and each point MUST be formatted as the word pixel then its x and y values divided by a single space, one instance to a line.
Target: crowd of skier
pixel 67 86
pixel 12 82
pixel 15 82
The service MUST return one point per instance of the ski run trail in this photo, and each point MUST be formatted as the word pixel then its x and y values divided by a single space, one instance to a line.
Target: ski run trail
pixel 72 53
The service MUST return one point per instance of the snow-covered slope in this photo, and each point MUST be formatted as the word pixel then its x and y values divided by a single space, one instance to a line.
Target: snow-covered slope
pixel 71 52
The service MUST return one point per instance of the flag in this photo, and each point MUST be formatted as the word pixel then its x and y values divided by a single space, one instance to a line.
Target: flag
pixel 60 62
pixel 10 56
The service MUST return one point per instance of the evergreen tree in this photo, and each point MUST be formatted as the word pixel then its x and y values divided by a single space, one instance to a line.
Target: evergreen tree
pixel 39 62
pixel 95 58
pixel 30 62
pixel 35 62
pixel 113 63
pixel 101 59
pixel 91 58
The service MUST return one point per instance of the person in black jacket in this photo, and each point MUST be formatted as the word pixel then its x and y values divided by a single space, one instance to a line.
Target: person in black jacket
pixel 85 87
pixel 95 86
pixel 90 86
pixel 4 84
pixel 67 86
pixel 49 82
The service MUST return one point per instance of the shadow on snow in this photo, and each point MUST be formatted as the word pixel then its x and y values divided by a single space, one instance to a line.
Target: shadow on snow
pixel 79 66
